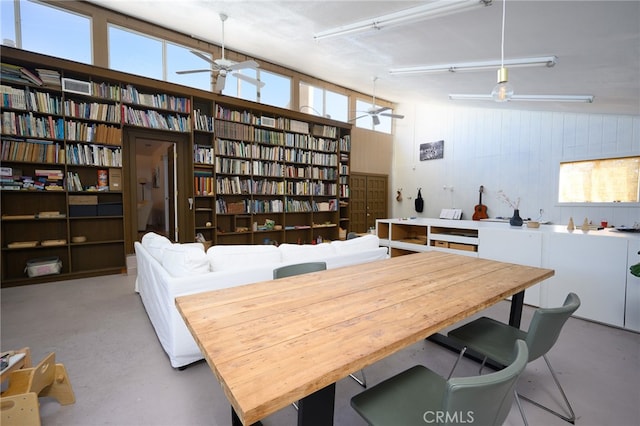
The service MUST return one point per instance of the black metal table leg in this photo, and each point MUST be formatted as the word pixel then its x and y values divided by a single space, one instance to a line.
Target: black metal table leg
pixel 313 410
pixel 515 314
pixel 235 421
pixel 317 408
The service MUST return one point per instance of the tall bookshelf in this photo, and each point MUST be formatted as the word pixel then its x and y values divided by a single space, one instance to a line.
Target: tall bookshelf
pixel 61 146
pixel 255 174
pixel 277 178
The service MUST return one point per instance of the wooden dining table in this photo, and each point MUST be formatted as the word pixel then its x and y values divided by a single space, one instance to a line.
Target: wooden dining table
pixel 276 342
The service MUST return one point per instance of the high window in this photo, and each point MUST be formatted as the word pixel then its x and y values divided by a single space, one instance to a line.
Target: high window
pixel 276 91
pixel 366 121
pixel 322 102
pixel 154 58
pixel 39 30
pixel 612 180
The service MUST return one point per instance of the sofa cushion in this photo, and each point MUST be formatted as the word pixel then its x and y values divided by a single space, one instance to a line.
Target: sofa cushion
pixel 155 244
pixel 360 244
pixel 296 253
pixel 228 257
pixel 182 260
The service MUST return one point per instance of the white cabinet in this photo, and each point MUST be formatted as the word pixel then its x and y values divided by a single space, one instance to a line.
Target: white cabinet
pixel 592 266
pixel 632 311
pixel 517 245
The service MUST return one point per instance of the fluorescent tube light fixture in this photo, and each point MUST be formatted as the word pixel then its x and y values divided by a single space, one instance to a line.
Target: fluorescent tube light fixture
pixel 527 98
pixel 434 9
pixel 547 61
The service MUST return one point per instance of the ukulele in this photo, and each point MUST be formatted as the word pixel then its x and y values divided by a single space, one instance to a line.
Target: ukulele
pixel 480 211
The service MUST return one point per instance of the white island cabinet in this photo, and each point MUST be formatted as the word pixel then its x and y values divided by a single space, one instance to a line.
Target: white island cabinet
pixel 632 311
pixel 593 264
pixel 521 246
pixel 593 267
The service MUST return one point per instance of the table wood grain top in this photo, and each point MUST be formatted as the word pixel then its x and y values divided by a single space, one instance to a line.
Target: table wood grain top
pixel 275 342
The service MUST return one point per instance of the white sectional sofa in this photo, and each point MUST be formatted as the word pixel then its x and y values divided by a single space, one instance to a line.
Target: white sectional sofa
pixel 167 270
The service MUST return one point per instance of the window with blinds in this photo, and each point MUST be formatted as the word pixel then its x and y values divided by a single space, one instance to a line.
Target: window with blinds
pixel 612 180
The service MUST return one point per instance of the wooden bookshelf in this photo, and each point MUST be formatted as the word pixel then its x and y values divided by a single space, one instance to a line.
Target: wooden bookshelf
pixel 247 173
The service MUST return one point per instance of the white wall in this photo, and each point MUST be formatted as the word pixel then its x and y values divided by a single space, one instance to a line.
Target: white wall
pixel 515 151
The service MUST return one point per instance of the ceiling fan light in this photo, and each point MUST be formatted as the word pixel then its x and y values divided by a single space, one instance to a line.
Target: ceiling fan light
pixel 503 91
pixel 376 120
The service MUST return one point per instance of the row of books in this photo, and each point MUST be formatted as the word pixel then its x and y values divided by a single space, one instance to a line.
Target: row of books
pixel 92 132
pixel 203 183
pixel 225 129
pixel 31 150
pixel 156 100
pixel 93 155
pixel 203 154
pixel 23 75
pixel 29 125
pixel 155 120
pixel 92 111
pixel 44 180
pixel 279 123
pixel 30 100
pixel 202 121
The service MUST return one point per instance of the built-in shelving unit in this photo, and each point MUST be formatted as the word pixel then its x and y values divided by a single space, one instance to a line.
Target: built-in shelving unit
pixel 277 179
pixel 256 174
pixel 418 235
pixel 61 146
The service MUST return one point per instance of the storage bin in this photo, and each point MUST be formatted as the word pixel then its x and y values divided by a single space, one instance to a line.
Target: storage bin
pixel 109 209
pixel 81 210
pixel 83 199
pixel 43 266
pixel 465 247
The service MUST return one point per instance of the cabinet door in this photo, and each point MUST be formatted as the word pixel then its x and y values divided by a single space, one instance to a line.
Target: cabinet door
pixel 592 266
pixel 513 246
pixel 632 311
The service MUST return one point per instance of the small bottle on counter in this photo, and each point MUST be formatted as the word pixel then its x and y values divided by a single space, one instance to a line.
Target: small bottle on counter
pixel 570 225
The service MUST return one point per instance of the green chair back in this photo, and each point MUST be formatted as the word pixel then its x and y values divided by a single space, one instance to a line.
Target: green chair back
pixel 547 324
pixel 487 399
pixel 298 269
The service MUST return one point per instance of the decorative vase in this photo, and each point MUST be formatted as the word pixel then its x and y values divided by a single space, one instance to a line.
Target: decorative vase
pixel 515 220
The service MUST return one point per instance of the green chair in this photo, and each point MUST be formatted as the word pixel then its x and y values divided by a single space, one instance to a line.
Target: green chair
pixel 493 340
pixel 418 396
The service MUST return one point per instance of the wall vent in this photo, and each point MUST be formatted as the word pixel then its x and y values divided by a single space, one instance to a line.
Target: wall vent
pixel 76 86
pixel 267 121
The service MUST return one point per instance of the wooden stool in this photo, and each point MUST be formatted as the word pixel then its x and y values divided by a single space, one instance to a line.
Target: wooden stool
pixel 19 403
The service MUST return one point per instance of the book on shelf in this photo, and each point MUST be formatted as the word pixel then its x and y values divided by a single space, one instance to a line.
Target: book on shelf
pixel 31 76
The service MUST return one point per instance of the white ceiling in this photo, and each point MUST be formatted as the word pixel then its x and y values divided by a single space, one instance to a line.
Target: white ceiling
pixel 597 44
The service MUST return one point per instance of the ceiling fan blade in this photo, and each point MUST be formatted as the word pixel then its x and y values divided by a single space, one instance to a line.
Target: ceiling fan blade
pixel 248 79
pixel 358 118
pixel 376 119
pixel 202 56
pixel 220 80
pixel 388 114
pixel 378 110
pixel 192 71
pixel 244 64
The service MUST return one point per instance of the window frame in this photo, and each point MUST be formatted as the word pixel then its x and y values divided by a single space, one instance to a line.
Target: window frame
pixel 624 204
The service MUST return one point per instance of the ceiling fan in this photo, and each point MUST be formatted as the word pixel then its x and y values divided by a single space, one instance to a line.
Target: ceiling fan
pixel 374 112
pixel 225 66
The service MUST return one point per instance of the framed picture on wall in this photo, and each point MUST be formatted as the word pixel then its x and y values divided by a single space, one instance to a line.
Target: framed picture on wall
pixel 431 150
